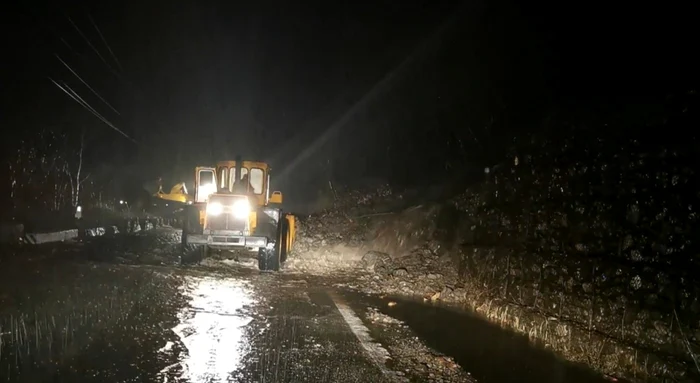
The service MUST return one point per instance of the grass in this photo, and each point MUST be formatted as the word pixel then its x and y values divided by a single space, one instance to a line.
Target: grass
pixel 580 340
pixel 54 316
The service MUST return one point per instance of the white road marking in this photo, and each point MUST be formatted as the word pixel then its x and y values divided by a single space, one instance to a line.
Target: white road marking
pixel 376 352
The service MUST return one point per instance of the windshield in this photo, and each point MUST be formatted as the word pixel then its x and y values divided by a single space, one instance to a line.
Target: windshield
pixel 256 179
pixel 233 178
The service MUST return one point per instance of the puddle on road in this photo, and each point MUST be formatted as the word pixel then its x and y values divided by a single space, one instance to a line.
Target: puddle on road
pixel 211 331
pixel 489 353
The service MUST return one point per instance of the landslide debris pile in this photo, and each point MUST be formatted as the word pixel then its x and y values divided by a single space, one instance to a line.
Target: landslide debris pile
pixel 411 254
pixel 405 249
pixel 332 238
pixel 157 246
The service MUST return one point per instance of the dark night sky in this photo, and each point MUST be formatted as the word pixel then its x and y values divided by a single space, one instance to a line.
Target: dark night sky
pixel 200 81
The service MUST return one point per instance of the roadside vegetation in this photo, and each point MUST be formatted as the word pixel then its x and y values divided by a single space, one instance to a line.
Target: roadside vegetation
pixel 55 315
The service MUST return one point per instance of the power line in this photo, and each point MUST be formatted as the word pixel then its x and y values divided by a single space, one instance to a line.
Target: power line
pixel 86 105
pixel 106 44
pixel 72 94
pixel 87 85
pixel 97 114
pixel 92 46
pixel 79 100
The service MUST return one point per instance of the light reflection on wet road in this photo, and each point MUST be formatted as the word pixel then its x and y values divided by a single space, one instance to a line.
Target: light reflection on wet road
pixel 263 328
pixel 235 324
pixel 283 328
pixel 211 329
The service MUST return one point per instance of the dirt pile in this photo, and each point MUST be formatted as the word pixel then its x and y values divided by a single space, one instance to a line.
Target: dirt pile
pixel 407 251
pixel 157 246
pixel 333 240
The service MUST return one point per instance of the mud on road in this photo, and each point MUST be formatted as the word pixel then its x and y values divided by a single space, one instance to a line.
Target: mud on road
pixel 123 309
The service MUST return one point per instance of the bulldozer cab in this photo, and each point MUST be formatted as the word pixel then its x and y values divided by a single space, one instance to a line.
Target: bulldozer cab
pixel 248 178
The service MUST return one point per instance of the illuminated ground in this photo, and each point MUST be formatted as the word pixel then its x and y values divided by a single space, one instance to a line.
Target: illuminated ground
pixel 82 313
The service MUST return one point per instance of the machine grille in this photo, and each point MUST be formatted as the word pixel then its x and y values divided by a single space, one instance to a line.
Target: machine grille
pixel 225 221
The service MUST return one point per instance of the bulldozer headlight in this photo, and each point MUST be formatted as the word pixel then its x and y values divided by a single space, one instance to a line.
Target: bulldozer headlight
pixel 241 209
pixel 215 208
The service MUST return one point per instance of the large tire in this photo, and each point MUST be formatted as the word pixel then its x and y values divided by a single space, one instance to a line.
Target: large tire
pixel 270 258
pixel 185 230
pixel 203 252
pixel 191 225
pixel 283 239
pixel 190 222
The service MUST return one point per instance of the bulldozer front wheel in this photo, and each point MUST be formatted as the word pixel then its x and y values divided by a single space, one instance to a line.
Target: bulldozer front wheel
pixel 185 230
pixel 190 223
pixel 269 259
pixel 203 252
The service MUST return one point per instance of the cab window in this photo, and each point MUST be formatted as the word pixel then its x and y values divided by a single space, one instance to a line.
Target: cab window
pixel 257 177
pixel 232 180
pixel 207 184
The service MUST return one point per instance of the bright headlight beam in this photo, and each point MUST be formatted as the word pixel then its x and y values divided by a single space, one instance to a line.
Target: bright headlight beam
pixel 241 209
pixel 427 45
pixel 215 208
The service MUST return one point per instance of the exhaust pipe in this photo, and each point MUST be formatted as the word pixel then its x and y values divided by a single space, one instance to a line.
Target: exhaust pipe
pixel 238 167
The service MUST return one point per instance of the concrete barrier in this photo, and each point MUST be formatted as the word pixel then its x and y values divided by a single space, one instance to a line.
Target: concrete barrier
pixel 15 233
pixel 92 232
pixel 111 230
pixel 58 236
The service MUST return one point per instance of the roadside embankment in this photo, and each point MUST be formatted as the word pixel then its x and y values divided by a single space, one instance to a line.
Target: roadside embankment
pixel 589 250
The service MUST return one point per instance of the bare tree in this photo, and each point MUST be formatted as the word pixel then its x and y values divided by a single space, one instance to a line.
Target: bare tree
pixel 75 173
pixel 36 172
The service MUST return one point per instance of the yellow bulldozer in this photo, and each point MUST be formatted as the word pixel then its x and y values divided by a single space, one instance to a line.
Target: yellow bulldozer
pixel 232 208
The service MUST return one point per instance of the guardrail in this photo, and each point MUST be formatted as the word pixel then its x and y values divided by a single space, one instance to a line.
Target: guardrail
pixel 16 234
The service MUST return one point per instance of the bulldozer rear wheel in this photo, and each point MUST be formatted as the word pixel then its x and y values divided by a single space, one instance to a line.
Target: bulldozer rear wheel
pixel 270 258
pixel 283 239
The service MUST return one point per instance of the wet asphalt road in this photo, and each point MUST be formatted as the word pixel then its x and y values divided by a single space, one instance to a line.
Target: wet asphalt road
pixel 263 328
pixel 230 323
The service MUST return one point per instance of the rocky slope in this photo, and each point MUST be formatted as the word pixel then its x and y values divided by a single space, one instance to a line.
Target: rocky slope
pixel 587 248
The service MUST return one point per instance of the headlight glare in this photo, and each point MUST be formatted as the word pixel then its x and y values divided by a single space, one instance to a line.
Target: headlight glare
pixel 241 209
pixel 215 208
pixel 207 190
